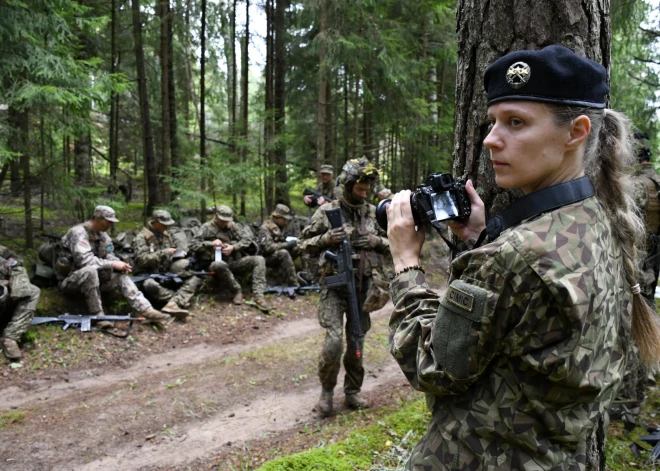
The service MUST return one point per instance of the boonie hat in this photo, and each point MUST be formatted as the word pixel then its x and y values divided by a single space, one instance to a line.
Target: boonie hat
pixel 224 213
pixel 327 169
pixel 164 217
pixel 554 74
pixel 105 212
pixel 283 211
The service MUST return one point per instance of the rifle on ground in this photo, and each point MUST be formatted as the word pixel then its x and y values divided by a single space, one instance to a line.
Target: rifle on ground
pixel 316 195
pixel 161 278
pixel 345 278
pixel 84 323
pixel 291 291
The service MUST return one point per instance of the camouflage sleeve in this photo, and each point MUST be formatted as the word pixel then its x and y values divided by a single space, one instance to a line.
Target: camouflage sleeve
pixel 640 194
pixel 268 245
pixel 19 283
pixel 145 259
pixel 443 345
pixel 310 239
pixel 179 239
pixel 81 250
pixel 241 236
pixel 203 241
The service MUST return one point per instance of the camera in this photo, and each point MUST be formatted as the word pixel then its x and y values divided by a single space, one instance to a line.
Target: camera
pixel 440 198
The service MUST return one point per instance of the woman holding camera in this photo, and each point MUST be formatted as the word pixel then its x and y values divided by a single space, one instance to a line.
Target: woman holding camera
pixel 525 351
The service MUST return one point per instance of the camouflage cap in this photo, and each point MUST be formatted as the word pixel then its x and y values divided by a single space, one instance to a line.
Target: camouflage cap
pixel 282 211
pixel 327 169
pixel 105 212
pixel 224 213
pixel 358 170
pixel 163 217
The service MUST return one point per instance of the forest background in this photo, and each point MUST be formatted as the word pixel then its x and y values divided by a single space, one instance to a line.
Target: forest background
pixel 189 103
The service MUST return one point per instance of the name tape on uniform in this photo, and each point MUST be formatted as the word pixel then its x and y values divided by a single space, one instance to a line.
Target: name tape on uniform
pixel 460 298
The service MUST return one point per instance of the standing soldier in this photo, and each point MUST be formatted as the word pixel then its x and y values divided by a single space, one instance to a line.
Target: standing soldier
pixel 229 248
pixel 155 248
pixel 647 184
pixel 326 187
pixel 367 240
pixel 88 266
pixel 277 251
pixel 19 298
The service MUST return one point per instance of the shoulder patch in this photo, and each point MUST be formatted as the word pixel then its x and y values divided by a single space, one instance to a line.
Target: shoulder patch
pixel 465 299
pixel 460 298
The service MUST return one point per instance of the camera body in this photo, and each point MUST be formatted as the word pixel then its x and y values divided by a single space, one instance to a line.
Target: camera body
pixel 439 198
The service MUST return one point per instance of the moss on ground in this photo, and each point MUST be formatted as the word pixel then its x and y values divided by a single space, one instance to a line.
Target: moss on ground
pixel 11 417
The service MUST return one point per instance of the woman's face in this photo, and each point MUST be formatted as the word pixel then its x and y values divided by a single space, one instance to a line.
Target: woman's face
pixel 528 150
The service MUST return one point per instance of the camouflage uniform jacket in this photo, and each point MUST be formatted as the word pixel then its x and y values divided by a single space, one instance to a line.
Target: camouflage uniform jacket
pixel 17 276
pixel 644 172
pixel 354 217
pixel 89 248
pixel 152 249
pixel 328 189
pixel 237 235
pixel 525 351
pixel 271 238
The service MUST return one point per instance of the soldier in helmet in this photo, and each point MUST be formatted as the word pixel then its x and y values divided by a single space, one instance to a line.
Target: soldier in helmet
pixel 367 241
pixel 647 185
pixel 278 251
pixel 326 187
pixel 19 298
pixel 229 248
pixel 88 265
pixel 159 249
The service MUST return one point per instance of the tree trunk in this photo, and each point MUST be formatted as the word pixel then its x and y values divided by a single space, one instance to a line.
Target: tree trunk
pixel 244 98
pixel 269 180
pixel 164 10
pixel 19 123
pixel 171 92
pixel 202 114
pixel 82 159
pixel 148 138
pixel 112 150
pixel 282 186
pixel 321 125
pixel 367 120
pixel 488 30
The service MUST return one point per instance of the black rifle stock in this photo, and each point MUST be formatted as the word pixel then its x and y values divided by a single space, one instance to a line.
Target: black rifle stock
pixel 84 322
pixel 159 277
pixel 345 278
pixel 291 291
pixel 316 195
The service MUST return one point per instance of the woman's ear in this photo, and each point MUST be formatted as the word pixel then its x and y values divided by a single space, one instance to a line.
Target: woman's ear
pixel 578 132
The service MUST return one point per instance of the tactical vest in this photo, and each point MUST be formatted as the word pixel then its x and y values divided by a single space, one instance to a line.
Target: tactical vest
pixel 652 210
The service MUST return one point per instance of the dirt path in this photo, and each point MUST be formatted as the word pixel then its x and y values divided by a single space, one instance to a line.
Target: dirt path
pixel 180 406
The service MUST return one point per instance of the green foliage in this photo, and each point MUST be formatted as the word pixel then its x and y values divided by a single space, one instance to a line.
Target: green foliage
pixel 11 417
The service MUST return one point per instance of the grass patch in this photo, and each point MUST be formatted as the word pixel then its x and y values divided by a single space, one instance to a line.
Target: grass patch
pixel 12 417
pixel 374 445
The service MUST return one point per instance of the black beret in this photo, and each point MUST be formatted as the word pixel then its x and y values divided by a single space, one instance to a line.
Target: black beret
pixel 554 74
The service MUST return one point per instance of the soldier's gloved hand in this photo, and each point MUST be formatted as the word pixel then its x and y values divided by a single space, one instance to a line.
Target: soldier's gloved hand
pixel 333 236
pixel 366 241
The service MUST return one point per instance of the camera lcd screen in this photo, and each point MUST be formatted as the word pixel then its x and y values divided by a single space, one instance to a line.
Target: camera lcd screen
pixel 444 206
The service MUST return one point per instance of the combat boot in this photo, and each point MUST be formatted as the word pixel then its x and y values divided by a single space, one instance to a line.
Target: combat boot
pixel 155 317
pixel 325 402
pixel 175 311
pixel 10 348
pixel 356 401
pixel 238 298
pixel 261 303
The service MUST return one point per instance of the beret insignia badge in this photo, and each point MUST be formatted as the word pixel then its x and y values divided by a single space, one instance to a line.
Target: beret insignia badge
pixel 518 75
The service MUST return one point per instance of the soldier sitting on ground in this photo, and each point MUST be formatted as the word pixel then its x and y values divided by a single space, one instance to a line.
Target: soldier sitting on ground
pixel 18 299
pixel 229 249
pixel 279 252
pixel 88 265
pixel 155 248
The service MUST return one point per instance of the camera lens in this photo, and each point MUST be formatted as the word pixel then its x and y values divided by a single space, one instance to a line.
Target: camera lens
pixel 381 213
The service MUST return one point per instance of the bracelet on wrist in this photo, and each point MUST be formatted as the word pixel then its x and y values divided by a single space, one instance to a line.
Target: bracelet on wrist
pixel 412 267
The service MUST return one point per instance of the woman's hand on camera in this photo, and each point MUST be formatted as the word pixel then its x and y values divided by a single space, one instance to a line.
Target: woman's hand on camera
pixel 470 229
pixel 405 242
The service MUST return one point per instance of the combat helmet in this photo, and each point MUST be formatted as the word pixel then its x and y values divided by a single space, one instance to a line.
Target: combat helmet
pixel 358 170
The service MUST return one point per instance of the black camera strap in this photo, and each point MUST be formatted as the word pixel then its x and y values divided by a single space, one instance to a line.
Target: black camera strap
pixel 535 203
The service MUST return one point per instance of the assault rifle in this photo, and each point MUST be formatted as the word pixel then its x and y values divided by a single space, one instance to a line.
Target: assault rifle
pixel 316 195
pixel 345 278
pixel 291 291
pixel 84 323
pixel 173 278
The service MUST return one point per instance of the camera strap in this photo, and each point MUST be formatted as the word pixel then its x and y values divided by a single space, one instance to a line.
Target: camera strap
pixel 541 201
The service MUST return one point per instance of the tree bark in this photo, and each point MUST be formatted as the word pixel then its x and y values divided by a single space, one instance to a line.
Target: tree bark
pixel 202 113
pixel 19 123
pixel 244 99
pixel 112 150
pixel 174 138
pixel 321 125
pixel 282 186
pixel 269 180
pixel 486 31
pixel 164 8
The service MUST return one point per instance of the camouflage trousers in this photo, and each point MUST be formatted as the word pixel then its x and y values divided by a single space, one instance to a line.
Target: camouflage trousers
pixel 91 281
pixel 23 312
pixel 182 296
pixel 283 262
pixel 333 304
pixel 253 264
